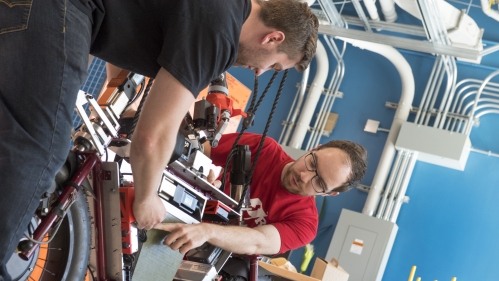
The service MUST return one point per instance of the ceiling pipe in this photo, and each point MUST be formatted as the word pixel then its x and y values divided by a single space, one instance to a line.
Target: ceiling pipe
pixel 487 9
pixel 403 109
pixel 314 93
pixel 388 9
pixel 297 103
pixel 462 30
pixel 371 9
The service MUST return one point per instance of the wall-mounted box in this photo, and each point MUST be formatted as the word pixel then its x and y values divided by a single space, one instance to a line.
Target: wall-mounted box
pixel 362 245
pixel 435 146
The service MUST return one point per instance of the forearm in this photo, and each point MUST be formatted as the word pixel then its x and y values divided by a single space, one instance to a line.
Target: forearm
pixel 148 160
pixel 244 240
pixel 152 144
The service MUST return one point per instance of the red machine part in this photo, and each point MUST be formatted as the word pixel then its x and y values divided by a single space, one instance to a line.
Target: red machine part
pixel 223 102
pixel 126 200
pixel 216 211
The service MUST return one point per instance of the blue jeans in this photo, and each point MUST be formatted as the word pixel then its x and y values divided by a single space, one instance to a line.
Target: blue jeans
pixel 44 46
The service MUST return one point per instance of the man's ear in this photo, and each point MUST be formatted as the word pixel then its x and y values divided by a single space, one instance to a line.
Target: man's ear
pixel 273 37
pixel 331 194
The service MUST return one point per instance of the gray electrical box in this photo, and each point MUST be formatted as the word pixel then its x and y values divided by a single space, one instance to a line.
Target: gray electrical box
pixel 435 146
pixel 362 245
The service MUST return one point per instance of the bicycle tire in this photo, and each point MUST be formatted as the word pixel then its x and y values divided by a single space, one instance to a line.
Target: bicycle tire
pixel 66 256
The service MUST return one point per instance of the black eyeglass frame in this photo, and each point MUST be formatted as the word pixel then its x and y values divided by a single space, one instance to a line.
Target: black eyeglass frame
pixel 322 185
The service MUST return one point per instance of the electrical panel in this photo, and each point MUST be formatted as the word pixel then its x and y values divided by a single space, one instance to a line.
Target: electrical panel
pixel 362 245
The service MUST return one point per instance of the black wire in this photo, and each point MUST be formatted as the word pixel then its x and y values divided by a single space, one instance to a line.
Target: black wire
pixel 266 90
pixel 255 94
pixel 262 140
pixel 139 109
pixel 251 111
pixel 91 272
pixel 227 163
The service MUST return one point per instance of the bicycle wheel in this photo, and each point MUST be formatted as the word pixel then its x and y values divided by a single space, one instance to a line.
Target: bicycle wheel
pixel 66 256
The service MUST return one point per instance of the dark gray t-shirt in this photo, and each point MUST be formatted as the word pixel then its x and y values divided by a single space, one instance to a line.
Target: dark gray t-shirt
pixel 194 40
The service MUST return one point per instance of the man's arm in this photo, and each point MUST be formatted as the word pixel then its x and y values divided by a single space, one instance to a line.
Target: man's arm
pixel 238 239
pixel 152 144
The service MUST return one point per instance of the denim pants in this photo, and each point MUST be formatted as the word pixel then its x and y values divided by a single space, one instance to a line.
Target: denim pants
pixel 44 47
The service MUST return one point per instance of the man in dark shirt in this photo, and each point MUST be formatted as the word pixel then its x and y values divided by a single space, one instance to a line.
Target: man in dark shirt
pixel 183 44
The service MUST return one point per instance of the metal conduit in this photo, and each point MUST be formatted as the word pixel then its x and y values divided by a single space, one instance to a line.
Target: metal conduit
pixel 426 91
pixel 330 97
pixel 435 90
pixel 389 186
pixel 429 92
pixel 295 108
pixel 314 131
pixel 331 13
pixel 482 106
pixel 458 100
pixel 397 184
pixel 412 157
pixel 451 121
pixel 489 111
pixel 449 94
pixel 484 83
pixel 437 33
pixel 463 110
pixel 287 124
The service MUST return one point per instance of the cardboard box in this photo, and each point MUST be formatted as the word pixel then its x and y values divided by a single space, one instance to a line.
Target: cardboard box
pixel 269 269
pixel 329 271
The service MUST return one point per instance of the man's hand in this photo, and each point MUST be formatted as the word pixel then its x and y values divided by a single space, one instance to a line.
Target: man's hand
pixel 149 211
pixel 152 144
pixel 184 237
pixel 212 178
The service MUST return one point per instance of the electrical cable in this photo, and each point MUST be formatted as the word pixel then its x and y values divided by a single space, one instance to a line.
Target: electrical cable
pixel 54 232
pixel 269 120
pixel 252 110
pixel 246 124
pixel 91 272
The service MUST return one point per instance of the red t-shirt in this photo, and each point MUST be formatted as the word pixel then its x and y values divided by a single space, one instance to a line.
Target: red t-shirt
pixel 294 216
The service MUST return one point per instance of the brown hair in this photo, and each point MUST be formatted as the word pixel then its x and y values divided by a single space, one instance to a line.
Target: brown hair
pixel 357 155
pixel 299 25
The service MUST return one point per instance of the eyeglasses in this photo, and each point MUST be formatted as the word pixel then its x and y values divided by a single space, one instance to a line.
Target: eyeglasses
pixel 317 183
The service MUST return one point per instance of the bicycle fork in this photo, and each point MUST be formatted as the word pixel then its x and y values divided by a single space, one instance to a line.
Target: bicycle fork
pixel 92 165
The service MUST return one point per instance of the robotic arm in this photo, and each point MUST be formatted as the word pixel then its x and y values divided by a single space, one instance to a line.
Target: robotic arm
pixel 212 115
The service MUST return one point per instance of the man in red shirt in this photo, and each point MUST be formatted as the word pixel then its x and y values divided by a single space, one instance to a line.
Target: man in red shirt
pixel 283 214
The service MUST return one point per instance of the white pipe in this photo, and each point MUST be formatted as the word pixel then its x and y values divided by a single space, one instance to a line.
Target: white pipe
pixel 403 109
pixel 314 94
pixel 449 96
pixel 462 29
pixel 487 9
pixel 388 9
pixel 371 9
pixel 431 106
pixel 421 109
pixel 484 83
pixel 297 107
